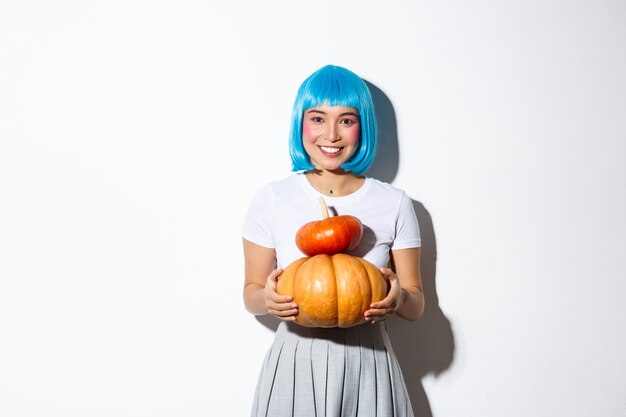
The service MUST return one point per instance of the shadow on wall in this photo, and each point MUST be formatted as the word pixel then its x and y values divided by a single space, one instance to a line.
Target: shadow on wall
pixel 385 166
pixel 427 345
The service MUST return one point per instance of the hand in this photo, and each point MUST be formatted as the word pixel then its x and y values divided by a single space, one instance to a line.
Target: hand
pixel 386 307
pixel 281 306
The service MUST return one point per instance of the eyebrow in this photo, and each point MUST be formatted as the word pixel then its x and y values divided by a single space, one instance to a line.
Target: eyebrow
pixel 349 113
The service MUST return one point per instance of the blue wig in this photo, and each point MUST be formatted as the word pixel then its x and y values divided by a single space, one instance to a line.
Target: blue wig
pixel 335 86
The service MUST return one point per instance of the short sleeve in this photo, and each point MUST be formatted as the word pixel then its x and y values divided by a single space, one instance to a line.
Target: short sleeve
pixel 256 226
pixel 407 227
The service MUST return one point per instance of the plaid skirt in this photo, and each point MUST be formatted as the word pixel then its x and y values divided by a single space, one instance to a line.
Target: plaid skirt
pixel 335 372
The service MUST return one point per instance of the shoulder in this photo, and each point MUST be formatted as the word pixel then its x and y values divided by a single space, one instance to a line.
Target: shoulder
pixel 386 190
pixel 277 187
pixel 290 181
pixel 393 198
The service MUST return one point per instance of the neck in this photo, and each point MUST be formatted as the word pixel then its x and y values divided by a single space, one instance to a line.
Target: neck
pixel 334 184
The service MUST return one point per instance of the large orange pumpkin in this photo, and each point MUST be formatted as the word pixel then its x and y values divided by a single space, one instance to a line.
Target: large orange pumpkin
pixel 332 290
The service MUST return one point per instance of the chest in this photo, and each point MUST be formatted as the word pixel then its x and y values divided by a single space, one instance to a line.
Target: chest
pixel 378 229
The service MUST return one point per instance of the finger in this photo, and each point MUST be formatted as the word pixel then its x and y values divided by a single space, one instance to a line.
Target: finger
pixel 286 318
pixel 380 311
pixel 278 298
pixel 385 271
pixel 280 304
pixel 388 274
pixel 376 318
pixel 389 301
pixel 282 312
pixel 377 312
pixel 272 296
pixel 274 275
pixel 272 278
pixel 386 302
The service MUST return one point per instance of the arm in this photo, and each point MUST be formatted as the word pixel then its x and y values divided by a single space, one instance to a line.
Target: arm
pixel 259 291
pixel 405 297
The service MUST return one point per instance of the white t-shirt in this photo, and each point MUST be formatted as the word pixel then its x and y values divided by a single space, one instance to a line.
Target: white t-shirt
pixel 280 208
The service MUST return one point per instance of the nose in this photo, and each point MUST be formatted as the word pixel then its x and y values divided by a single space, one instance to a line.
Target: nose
pixel 333 134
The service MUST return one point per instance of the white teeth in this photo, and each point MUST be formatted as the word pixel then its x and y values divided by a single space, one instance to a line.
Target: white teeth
pixel 329 149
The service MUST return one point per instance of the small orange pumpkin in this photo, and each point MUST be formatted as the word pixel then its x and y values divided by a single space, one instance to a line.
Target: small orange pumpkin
pixel 332 290
pixel 329 235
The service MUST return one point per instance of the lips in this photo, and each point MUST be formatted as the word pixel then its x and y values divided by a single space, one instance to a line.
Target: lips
pixel 330 150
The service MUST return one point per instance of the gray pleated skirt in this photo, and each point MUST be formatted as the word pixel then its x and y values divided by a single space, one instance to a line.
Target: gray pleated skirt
pixel 315 372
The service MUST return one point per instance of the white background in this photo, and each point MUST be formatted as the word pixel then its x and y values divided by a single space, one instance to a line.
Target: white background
pixel 133 133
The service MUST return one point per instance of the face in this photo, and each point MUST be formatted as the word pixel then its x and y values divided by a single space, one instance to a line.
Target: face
pixel 330 135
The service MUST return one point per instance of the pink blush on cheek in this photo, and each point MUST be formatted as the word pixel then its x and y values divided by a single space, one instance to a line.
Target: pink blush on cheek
pixel 352 136
pixel 307 130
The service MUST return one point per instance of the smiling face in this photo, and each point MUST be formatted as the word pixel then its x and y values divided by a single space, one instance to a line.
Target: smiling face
pixel 330 135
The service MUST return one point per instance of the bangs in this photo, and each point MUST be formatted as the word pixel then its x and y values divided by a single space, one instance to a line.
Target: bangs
pixel 331 88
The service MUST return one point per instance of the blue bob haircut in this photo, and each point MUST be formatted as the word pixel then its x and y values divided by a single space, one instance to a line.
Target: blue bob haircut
pixel 335 86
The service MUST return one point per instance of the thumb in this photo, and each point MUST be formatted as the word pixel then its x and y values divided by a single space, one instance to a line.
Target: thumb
pixel 273 276
pixel 387 273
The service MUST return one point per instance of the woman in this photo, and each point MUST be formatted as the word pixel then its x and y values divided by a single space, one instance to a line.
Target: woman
pixel 337 371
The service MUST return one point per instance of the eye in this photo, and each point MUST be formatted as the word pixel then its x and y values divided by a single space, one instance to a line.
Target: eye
pixel 348 122
pixel 316 119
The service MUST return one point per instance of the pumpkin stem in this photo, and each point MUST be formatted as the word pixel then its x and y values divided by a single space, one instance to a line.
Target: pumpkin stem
pixel 324 208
